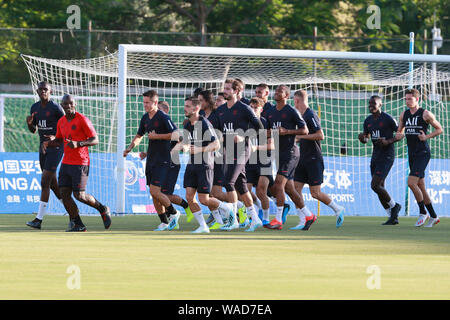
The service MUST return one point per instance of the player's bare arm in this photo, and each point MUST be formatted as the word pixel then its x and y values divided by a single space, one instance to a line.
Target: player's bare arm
pixel 92 141
pixel 430 119
pixel 399 135
pixel 159 136
pixel 135 142
pixel 285 132
pixel 316 136
pixel 363 138
pixel 30 124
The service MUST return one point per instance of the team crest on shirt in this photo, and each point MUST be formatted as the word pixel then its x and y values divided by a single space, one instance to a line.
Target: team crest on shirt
pixel 47 114
pixel 74 127
pixel 234 112
pixel 381 124
pixel 283 115
pixel 156 124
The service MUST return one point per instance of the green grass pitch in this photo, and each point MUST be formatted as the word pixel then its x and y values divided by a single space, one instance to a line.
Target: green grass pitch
pixel 361 260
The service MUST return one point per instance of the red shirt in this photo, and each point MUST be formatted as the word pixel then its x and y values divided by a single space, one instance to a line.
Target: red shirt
pixel 78 129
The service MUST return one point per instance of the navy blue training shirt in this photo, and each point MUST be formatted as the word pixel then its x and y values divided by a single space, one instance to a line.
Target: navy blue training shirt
pixel 382 127
pixel 311 149
pixel 158 151
pixel 46 118
pixel 288 118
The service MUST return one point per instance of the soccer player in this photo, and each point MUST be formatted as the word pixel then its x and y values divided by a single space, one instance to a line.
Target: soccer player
pixel 220 100
pixel 77 133
pixel 241 92
pixel 197 92
pixel 259 172
pixel 208 110
pixel 286 122
pixel 168 186
pixel 262 91
pixel 235 119
pixel 201 141
pixel 310 166
pixel 381 127
pixel 415 122
pixel 164 106
pixel 159 128
pixel 44 116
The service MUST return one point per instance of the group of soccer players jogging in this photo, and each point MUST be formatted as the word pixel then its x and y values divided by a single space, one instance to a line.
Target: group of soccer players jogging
pixel 232 144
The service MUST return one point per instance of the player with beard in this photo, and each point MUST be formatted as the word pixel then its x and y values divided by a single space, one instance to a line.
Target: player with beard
pixel 200 140
pixel 235 119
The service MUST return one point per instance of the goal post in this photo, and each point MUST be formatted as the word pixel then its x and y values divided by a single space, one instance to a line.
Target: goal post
pixel 340 82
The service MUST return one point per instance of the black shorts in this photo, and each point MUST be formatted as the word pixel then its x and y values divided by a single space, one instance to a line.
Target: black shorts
pixel 288 163
pixel 219 178
pixel 418 163
pixel 252 173
pixel 235 178
pixel 381 168
pixel 51 159
pixel 168 185
pixel 73 176
pixel 198 177
pixel 310 172
pixel 156 173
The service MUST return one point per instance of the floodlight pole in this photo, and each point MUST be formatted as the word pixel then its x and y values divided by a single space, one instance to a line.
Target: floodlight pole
pixel 121 133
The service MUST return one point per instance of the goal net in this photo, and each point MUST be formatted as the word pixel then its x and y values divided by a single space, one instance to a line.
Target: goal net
pixel 109 91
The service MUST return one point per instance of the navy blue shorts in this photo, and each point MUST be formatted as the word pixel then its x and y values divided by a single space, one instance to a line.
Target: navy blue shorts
pixel 51 159
pixel 310 172
pixel 235 178
pixel 381 168
pixel 219 178
pixel 198 177
pixel 288 163
pixel 73 176
pixel 418 163
pixel 156 174
pixel 252 172
pixel 168 186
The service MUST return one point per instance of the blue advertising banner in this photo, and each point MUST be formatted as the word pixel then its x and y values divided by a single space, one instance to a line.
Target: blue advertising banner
pixel 346 181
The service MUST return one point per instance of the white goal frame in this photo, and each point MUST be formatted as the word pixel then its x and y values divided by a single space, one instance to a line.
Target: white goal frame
pixel 124 49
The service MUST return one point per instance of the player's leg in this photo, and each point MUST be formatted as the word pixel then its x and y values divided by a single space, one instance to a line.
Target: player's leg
pixel 168 187
pixel 231 173
pixel 48 163
pixel 261 193
pixel 301 211
pixel 413 184
pixel 241 188
pixel 279 193
pixel 428 205
pixel 72 209
pixel 217 188
pixel 297 198
pixel 158 178
pixel 79 182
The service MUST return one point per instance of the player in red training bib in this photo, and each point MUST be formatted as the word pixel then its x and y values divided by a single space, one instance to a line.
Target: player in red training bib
pixel 77 133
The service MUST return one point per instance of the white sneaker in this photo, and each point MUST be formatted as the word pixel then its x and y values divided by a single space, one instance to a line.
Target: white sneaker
pixel 162 227
pixel 232 224
pixel 422 219
pixel 173 220
pixel 201 229
pixel 432 222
